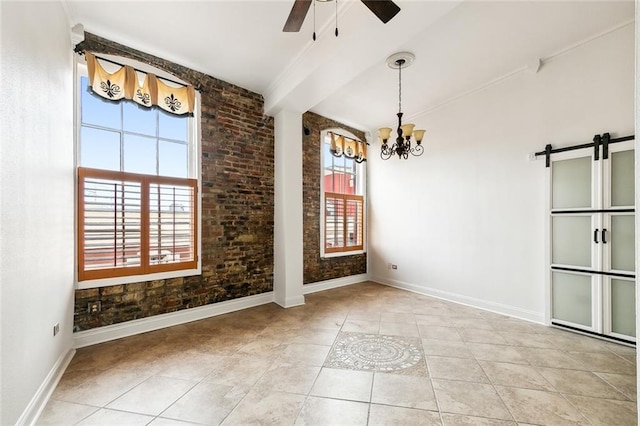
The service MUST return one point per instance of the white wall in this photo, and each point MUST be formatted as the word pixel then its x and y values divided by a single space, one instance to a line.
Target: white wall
pixel 37 205
pixel 472 208
pixel 637 151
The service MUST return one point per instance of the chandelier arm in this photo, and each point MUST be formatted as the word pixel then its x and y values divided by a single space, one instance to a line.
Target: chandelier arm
pixel 401 150
pixel 387 152
pixel 417 151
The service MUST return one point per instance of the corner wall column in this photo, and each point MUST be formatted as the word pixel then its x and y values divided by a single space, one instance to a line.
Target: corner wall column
pixel 288 230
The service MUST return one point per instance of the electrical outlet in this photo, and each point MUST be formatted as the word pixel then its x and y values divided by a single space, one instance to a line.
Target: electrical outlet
pixel 56 329
pixel 94 307
pixel 388 266
pixel 394 266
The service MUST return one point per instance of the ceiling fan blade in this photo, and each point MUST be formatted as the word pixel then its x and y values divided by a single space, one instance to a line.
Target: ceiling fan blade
pixel 383 9
pixel 296 16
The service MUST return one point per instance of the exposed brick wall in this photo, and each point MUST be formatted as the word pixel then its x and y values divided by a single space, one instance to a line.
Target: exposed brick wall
pixel 237 206
pixel 316 268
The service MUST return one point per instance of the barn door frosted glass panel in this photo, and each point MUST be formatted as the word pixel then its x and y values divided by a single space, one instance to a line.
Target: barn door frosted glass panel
pixel 571 240
pixel 623 307
pixel 622 178
pixel 571 298
pixel 571 183
pixel 622 242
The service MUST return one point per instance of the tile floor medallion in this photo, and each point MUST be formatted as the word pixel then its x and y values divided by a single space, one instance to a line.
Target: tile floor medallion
pixel 377 353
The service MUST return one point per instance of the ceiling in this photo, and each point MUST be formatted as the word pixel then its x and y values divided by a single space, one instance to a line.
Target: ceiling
pixel 459 46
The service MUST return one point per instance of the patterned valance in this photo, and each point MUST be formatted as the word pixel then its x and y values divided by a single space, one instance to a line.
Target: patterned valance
pixel 347 147
pixel 125 84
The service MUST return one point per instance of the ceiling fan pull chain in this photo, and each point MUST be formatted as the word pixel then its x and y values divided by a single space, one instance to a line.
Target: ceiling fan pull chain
pixel 314 21
pixel 336 18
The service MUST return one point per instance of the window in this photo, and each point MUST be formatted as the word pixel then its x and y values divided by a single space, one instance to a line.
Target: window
pixel 137 189
pixel 343 188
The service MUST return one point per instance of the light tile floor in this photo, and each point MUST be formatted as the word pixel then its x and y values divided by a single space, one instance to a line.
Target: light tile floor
pixel 265 366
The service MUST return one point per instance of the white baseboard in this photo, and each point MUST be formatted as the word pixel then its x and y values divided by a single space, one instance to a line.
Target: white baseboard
pixel 143 325
pixel 290 302
pixel 524 314
pixel 335 283
pixel 35 407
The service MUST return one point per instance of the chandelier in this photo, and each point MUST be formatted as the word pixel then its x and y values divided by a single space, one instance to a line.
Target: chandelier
pixel 402 145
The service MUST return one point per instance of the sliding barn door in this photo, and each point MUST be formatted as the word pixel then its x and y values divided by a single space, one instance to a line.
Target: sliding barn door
pixel 592 241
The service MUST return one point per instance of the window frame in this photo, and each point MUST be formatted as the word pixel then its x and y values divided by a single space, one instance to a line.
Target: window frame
pixel 361 191
pixel 194 168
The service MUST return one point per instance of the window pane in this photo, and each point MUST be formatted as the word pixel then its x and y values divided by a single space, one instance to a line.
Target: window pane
pixel 328 180
pixel 173 159
pixel 623 253
pixel 139 155
pixel 336 182
pixel 571 183
pixel 571 240
pixel 328 156
pixel 139 119
pixel 99 149
pixel 622 178
pixel 572 298
pixel 339 174
pixel 623 307
pixel 350 183
pixel 172 126
pixel 98 111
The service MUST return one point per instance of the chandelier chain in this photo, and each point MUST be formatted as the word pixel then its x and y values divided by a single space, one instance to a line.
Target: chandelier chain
pixel 400 85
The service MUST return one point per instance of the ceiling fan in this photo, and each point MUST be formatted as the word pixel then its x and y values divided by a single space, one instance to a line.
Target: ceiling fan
pixel 383 9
